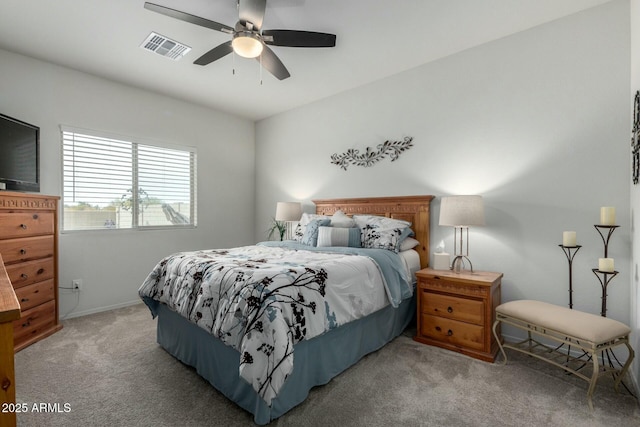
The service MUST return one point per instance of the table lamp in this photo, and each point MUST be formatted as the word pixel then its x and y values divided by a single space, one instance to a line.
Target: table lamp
pixel 287 212
pixel 460 212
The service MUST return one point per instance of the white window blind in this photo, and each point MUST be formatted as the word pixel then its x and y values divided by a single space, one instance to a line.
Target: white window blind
pixel 113 183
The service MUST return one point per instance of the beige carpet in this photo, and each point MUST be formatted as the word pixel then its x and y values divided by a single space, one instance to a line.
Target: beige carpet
pixel 109 370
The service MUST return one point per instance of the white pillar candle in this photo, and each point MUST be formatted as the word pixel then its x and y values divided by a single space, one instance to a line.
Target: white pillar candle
pixel 568 238
pixel 607 215
pixel 606 265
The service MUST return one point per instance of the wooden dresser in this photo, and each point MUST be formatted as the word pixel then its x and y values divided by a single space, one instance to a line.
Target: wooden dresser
pixel 456 311
pixel 29 247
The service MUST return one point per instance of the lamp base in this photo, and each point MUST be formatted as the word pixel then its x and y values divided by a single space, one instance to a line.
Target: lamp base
pixel 457 265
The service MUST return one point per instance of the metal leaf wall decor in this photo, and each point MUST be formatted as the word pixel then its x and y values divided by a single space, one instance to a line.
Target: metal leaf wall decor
pixel 393 149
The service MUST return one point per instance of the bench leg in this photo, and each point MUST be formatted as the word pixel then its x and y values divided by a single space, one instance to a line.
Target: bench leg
pixel 499 341
pixel 624 369
pixel 594 379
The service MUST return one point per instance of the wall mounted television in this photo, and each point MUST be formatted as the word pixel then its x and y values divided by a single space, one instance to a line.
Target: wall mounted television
pixel 19 155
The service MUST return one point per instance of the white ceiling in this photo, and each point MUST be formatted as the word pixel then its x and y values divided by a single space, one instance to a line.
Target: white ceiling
pixel 375 39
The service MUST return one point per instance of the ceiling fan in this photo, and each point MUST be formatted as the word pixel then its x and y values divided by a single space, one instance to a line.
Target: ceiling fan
pixel 249 40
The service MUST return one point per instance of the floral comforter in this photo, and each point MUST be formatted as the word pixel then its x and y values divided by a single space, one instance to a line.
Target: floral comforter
pixel 262 300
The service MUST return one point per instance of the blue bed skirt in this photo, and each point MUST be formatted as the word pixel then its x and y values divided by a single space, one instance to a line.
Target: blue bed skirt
pixel 330 353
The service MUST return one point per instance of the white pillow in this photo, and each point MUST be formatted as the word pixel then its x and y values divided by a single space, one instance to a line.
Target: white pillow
pixel 340 219
pixel 408 243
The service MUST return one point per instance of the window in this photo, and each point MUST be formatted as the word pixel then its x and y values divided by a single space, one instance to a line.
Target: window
pixel 111 183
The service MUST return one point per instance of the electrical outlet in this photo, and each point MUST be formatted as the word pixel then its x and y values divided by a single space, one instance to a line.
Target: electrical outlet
pixel 76 285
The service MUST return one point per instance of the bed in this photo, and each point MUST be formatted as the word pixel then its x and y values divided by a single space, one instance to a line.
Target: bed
pixel 239 347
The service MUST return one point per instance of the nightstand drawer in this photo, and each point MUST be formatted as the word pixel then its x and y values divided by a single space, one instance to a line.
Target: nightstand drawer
pixel 463 309
pixel 451 286
pixel 453 332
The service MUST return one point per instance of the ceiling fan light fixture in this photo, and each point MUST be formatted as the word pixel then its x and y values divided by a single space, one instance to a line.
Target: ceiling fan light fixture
pixel 247 44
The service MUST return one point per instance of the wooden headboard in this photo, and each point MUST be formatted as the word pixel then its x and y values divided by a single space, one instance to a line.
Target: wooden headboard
pixel 414 209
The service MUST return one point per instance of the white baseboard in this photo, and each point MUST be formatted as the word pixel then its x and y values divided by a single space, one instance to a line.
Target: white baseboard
pixel 101 309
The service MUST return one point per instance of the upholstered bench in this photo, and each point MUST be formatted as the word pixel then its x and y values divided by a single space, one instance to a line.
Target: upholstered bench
pixel 589 334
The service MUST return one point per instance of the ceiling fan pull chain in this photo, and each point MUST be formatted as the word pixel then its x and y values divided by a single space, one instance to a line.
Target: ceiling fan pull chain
pixel 233 60
pixel 260 69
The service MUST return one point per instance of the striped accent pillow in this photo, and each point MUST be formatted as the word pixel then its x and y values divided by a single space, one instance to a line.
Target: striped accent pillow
pixel 339 236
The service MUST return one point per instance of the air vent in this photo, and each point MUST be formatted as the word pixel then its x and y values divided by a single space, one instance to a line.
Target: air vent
pixel 165 47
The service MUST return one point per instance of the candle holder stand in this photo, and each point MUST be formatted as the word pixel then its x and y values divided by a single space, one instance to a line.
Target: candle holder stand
pixel 605 277
pixel 567 251
pixel 610 229
pixel 604 282
pixel 570 252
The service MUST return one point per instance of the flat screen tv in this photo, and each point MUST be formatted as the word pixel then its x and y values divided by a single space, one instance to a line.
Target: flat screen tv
pixel 19 155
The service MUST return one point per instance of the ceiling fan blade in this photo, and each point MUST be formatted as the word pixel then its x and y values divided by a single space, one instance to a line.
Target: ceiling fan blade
pixel 273 64
pixel 252 11
pixel 294 38
pixel 214 54
pixel 188 18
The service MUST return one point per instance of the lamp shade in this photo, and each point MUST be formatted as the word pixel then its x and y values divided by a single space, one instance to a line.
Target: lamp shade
pixel 462 211
pixel 288 211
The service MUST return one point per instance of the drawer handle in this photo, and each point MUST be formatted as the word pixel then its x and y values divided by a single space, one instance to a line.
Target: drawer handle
pixel 449 332
pixel 24 276
pixel 6 383
pixel 24 325
pixel 35 216
pixel 24 300
pixel 449 310
pixel 23 251
pixel 23 226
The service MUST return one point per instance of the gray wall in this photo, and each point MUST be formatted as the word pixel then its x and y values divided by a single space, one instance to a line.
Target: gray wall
pixel 114 264
pixel 537 123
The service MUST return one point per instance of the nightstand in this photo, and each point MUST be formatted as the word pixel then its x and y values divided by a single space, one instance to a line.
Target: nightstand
pixel 456 311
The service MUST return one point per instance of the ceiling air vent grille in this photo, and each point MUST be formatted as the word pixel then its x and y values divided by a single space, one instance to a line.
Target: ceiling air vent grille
pixel 165 46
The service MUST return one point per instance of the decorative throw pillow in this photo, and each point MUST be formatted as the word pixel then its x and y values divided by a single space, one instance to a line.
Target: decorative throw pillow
pixel 340 219
pixel 298 233
pixel 380 232
pixel 311 231
pixel 339 236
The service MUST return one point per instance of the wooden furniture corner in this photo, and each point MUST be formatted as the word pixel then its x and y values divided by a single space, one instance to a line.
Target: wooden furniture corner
pixel 9 312
pixel 29 247
pixel 456 311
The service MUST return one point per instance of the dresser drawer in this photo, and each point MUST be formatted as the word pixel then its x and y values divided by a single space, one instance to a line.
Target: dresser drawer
pixel 25 224
pixel 14 250
pixel 26 273
pixel 34 321
pixel 32 295
pixel 463 309
pixel 453 332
